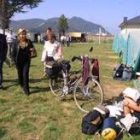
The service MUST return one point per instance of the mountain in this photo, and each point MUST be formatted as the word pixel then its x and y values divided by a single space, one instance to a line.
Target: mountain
pixel 75 24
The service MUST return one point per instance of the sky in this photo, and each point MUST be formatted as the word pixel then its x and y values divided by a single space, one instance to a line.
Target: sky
pixel 107 13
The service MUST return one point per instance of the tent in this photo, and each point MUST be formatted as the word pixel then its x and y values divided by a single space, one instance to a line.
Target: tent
pixel 128 45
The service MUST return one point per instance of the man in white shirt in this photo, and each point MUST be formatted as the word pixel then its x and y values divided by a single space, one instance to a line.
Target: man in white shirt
pixel 10 42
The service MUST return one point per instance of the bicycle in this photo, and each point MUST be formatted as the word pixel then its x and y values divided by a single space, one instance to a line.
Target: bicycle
pixel 86 96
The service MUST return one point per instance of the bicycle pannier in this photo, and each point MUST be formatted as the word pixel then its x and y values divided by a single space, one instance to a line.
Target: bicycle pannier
pixel 52 69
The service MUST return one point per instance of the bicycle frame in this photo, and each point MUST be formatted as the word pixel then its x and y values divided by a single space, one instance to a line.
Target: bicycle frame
pixel 68 85
pixel 86 94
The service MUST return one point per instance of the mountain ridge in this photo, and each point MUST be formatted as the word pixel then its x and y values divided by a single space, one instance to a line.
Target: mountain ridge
pixel 76 24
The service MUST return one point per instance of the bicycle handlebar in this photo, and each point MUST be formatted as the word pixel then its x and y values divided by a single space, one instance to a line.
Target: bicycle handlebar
pixel 80 59
pixel 76 58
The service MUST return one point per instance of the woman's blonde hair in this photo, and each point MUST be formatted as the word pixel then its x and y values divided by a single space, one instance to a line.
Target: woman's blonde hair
pixel 20 31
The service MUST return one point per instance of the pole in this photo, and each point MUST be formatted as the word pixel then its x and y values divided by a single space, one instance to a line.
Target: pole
pixel 99 35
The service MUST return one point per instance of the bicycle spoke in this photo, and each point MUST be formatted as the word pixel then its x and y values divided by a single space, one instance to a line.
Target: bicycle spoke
pixel 56 86
pixel 88 96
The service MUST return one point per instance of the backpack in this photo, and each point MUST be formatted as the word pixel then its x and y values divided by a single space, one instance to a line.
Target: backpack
pixel 118 71
pixel 123 73
pixel 93 120
pixel 127 74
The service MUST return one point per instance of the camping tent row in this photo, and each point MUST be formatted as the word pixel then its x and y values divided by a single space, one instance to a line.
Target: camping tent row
pixel 127 45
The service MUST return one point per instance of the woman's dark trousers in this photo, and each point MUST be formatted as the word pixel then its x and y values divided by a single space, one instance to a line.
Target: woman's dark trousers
pixel 23 76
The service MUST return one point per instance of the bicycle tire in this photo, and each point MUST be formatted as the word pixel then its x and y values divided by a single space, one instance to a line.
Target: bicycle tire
pixel 89 96
pixel 56 86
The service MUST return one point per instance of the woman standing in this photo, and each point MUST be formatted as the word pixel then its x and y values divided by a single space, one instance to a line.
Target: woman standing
pixel 22 58
pixel 52 50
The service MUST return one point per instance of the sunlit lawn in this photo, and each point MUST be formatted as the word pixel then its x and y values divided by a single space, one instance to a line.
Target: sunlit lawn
pixel 41 116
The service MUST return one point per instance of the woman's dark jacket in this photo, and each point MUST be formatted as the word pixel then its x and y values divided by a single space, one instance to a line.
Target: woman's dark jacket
pixel 17 48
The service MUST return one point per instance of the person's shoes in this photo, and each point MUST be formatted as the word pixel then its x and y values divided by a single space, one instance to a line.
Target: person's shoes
pixel 127 121
pixel 27 92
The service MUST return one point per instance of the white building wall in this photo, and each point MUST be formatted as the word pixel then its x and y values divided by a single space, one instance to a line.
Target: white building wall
pixel 130 28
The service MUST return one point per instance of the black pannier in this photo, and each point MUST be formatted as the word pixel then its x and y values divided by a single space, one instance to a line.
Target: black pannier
pixel 53 69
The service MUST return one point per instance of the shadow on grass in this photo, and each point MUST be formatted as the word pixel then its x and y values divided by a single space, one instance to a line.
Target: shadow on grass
pixel 13 82
pixel 10 80
pixel 35 80
pixel 37 89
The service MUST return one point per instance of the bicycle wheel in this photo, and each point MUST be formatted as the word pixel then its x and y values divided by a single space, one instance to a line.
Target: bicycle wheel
pixel 56 86
pixel 88 96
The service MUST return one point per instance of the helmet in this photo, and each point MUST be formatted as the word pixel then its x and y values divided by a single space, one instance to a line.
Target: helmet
pixel 108 134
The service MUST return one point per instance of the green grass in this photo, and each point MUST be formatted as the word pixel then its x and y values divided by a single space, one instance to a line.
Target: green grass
pixel 41 116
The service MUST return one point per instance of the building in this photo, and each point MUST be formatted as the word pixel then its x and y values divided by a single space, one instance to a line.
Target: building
pixel 130 25
pixel 77 36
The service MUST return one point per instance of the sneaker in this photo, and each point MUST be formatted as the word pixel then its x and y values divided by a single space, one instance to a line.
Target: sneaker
pixel 127 121
pixel 27 92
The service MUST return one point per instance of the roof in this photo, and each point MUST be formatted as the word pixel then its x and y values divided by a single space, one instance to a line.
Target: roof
pixel 135 20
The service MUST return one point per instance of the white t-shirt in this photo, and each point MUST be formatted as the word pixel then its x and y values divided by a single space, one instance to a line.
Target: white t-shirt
pixel 51 50
pixel 10 38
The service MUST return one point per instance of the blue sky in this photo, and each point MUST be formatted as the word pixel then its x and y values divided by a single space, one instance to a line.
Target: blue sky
pixel 108 13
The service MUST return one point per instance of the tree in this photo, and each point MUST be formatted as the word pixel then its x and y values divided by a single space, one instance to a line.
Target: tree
pixel 62 25
pixel 10 7
pixel 3 13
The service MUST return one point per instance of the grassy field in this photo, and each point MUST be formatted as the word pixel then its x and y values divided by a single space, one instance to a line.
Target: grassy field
pixel 41 116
